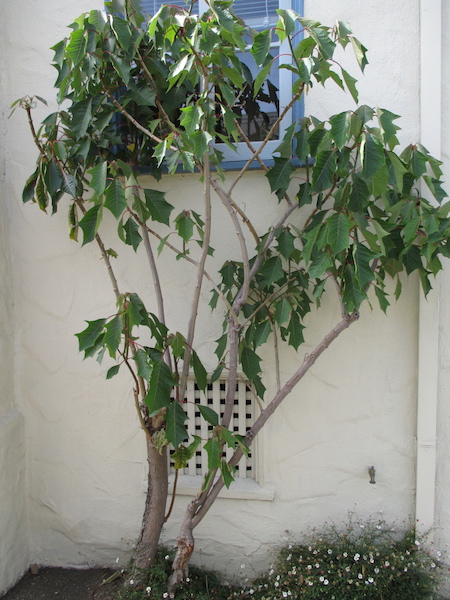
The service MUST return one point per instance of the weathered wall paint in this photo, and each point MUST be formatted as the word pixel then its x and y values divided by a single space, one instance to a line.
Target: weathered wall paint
pixel 85 454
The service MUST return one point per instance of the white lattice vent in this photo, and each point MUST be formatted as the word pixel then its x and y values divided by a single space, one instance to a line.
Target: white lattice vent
pixel 242 420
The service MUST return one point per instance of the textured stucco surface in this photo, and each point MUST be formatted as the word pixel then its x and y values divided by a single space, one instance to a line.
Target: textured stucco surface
pixel 14 557
pixel 85 454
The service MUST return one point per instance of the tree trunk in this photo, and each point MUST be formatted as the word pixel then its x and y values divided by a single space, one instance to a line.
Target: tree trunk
pixel 185 540
pixel 154 512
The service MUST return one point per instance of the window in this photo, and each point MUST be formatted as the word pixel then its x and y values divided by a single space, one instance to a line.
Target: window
pixel 242 419
pixel 257 114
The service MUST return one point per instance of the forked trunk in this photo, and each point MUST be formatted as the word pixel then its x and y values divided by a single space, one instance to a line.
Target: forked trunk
pixel 155 507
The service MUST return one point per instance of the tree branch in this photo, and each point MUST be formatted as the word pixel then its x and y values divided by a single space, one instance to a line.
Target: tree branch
pixel 308 362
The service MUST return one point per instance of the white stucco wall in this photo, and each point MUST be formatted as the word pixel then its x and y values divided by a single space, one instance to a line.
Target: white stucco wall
pixel 85 454
pixel 14 556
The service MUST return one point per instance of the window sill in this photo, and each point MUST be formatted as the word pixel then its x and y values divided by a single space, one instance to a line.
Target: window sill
pixel 240 489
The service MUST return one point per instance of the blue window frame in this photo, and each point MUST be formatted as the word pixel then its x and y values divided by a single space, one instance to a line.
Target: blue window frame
pixel 276 92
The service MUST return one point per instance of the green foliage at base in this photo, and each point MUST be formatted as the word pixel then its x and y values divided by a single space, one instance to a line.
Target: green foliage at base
pixel 363 561
pixel 201 584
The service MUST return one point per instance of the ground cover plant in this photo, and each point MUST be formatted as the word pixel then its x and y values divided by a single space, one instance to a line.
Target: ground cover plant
pixel 364 560
pixel 142 99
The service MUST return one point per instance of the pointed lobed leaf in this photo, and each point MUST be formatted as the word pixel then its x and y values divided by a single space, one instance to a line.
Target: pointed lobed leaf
pixel 115 200
pixel 160 386
pixel 176 431
pixel 158 207
pixel 324 170
pixel 208 414
pixel 339 227
pixel 113 334
pixel 201 376
pixel 90 223
pixel 279 176
pixel 89 337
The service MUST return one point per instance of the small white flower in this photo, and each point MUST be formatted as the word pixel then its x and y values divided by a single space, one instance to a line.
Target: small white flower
pixel 325 582
pixel 377 570
pixel 166 557
pixel 356 557
pixel 131 581
pixel 276 584
pixel 359 575
pixel 345 555
pixel 188 579
pixel 417 543
pixel 433 565
pixel 310 583
pixel 321 578
pixel 242 566
pixel 370 580
pixel 386 563
pixel 330 551
pixel 165 595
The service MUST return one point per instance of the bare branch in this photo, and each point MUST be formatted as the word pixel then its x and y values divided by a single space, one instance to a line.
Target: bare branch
pixel 308 362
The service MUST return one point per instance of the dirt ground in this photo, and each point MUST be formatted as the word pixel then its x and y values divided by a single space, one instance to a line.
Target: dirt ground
pixel 65 584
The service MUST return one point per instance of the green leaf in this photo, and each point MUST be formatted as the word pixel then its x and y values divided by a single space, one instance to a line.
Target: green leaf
pixel 360 53
pixel 200 140
pixel 193 115
pixel 132 235
pixel 82 116
pixel 89 337
pixel 160 387
pixel 279 176
pixel 372 155
pixel 226 473
pixel 113 334
pixel 90 223
pixel 340 129
pixel 261 78
pixel 323 170
pixel 112 371
pixel 144 368
pixel 261 333
pixel 69 184
pixel 338 232
pixel 158 207
pixel 142 95
pixel 184 225
pixel 115 200
pixel 285 243
pixel 271 271
pixel 201 376
pixel 98 178
pixel 321 263
pixel 208 414
pixel 359 195
pixel 283 310
pixel 250 363
pixel 261 46
pixel 350 82
pixel 363 258
pixel 214 451
pixel 295 331
pixel 176 431
pixel 77 46
pixel 352 295
pixel 382 298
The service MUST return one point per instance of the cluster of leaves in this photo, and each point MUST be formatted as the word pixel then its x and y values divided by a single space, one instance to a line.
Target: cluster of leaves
pixel 202 584
pixel 362 561
pixel 115 336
